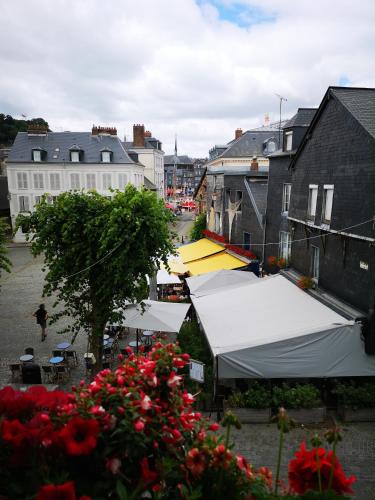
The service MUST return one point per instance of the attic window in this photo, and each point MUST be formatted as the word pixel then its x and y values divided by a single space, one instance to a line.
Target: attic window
pixel 38 155
pixel 106 156
pixel 74 156
pixel 288 141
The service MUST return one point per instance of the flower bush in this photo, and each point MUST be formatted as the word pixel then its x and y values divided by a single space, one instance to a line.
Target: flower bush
pixel 299 396
pixel 305 282
pixel 257 397
pixel 356 396
pixel 133 433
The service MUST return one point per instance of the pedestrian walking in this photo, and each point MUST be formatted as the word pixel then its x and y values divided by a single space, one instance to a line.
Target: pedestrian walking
pixel 41 319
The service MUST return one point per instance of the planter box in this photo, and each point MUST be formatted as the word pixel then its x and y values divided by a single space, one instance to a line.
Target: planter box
pixel 308 415
pixel 359 415
pixel 250 415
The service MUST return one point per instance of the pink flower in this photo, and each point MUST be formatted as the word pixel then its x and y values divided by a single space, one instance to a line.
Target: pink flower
pixel 146 403
pixel 214 427
pixel 113 465
pixel 174 380
pixel 139 425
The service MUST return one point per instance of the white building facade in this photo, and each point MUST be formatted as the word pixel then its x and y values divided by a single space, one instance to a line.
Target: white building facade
pixel 42 162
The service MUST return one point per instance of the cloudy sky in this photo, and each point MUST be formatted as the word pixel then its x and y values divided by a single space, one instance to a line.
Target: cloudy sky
pixel 195 68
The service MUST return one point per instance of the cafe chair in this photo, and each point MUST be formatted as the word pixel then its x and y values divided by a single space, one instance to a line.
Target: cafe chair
pixel 56 354
pixel 71 357
pixel 48 374
pixel 62 373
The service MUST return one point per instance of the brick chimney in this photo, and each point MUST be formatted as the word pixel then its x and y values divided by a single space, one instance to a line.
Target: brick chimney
pixel 103 130
pixel 238 133
pixel 254 164
pixel 139 136
pixel 148 133
pixel 36 129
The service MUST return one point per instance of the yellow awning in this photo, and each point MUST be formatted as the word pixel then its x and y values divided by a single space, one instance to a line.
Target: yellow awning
pixel 198 250
pixel 216 262
pixel 177 267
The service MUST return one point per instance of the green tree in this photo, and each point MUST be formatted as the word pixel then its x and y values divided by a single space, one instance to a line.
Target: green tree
pixel 4 261
pixel 199 226
pixel 9 127
pixel 97 252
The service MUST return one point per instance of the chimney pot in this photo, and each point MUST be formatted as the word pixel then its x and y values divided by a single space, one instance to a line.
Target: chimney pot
pixel 36 129
pixel 238 133
pixel 148 133
pixel 254 165
pixel 103 130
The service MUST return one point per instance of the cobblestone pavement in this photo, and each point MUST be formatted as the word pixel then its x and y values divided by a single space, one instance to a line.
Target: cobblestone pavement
pixel 20 295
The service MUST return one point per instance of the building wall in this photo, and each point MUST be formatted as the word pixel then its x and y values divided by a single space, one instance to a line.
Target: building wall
pixel 152 159
pixel 135 175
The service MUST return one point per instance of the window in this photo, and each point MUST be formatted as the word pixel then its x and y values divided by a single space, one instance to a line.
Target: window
pixel 288 141
pixel 286 197
pixel 74 181
pixel 246 241
pixel 38 199
pixel 23 202
pixel 74 156
pixel 217 222
pixel 315 263
pixel 22 180
pixel 38 181
pixel 313 196
pixel 227 197
pixel 37 155
pixel 239 201
pixel 54 180
pixel 90 181
pixel 122 180
pixel 107 181
pixel 327 202
pixel 106 156
pixel 285 245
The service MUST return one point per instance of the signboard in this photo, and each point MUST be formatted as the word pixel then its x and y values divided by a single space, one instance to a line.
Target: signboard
pixel 196 371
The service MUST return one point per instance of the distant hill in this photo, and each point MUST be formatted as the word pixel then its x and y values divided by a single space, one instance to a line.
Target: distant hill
pixel 9 127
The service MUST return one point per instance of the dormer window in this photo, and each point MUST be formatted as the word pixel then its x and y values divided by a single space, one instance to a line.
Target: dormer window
pixel 38 155
pixel 76 154
pixel 288 141
pixel 106 156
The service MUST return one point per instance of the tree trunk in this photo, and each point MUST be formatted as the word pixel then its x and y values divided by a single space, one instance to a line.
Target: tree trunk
pixel 96 343
pixel 153 286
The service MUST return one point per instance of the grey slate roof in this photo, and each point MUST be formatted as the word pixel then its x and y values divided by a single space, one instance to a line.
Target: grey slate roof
pixel 91 145
pixel 302 118
pixel 360 102
pixel 180 160
pixel 259 190
pixel 149 185
pixel 251 143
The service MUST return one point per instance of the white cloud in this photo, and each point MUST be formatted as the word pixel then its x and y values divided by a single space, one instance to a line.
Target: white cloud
pixel 176 66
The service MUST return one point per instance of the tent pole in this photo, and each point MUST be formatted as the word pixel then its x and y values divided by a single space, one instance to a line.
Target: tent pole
pixel 216 396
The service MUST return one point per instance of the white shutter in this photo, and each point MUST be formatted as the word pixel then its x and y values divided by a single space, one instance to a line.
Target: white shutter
pixel 74 181
pixel 38 181
pixel 55 181
pixel 90 179
pixel 24 203
pixel 106 157
pixel 313 197
pixel 22 180
pixel 328 202
pixel 37 155
pixel 122 181
pixel 107 181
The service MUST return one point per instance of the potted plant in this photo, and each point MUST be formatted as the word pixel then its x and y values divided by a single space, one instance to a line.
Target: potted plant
pixel 356 403
pixel 252 406
pixel 306 283
pixel 303 402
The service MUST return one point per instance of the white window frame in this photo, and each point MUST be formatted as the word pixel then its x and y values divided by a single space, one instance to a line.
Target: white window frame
pixel 55 181
pixel 285 245
pixel 38 180
pixel 91 180
pixel 107 181
pixel 75 181
pixel 287 189
pixel 74 156
pixel 315 254
pixel 121 178
pixel 312 201
pixel 38 199
pixel 288 141
pixel 22 180
pixel 37 155
pixel 23 203
pixel 106 157
pixel 327 209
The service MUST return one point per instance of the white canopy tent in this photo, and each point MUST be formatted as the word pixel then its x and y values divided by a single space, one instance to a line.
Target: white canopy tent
pixel 213 282
pixel 164 278
pixel 272 329
pixel 157 316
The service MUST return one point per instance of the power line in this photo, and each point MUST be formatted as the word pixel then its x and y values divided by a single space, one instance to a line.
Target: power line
pixel 338 231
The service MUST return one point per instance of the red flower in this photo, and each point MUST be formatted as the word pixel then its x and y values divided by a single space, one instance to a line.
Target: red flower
pixel 139 425
pixel 303 472
pixel 195 462
pixel 80 435
pixel 64 491
pixel 14 432
pixel 148 475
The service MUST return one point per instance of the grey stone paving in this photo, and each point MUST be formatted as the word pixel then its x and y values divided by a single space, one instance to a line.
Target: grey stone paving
pixel 20 295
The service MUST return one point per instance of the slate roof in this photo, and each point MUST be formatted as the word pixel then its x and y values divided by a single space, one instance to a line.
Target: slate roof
pixel 149 185
pixel 91 145
pixel 259 190
pixel 180 160
pixel 360 102
pixel 302 118
pixel 150 143
pixel 251 143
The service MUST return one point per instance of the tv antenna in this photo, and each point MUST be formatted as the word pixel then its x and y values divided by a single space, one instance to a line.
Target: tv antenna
pixel 281 101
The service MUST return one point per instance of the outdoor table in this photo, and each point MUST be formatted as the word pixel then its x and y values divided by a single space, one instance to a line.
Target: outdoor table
pixel 134 345
pixel 148 336
pixel 105 342
pixel 63 345
pixel 56 360
pixel 26 357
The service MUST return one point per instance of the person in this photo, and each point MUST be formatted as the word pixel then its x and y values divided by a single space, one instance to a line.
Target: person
pixel 41 319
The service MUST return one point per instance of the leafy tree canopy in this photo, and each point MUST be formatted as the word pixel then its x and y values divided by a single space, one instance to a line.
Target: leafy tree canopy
pixel 199 226
pixel 9 127
pixel 4 261
pixel 97 252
